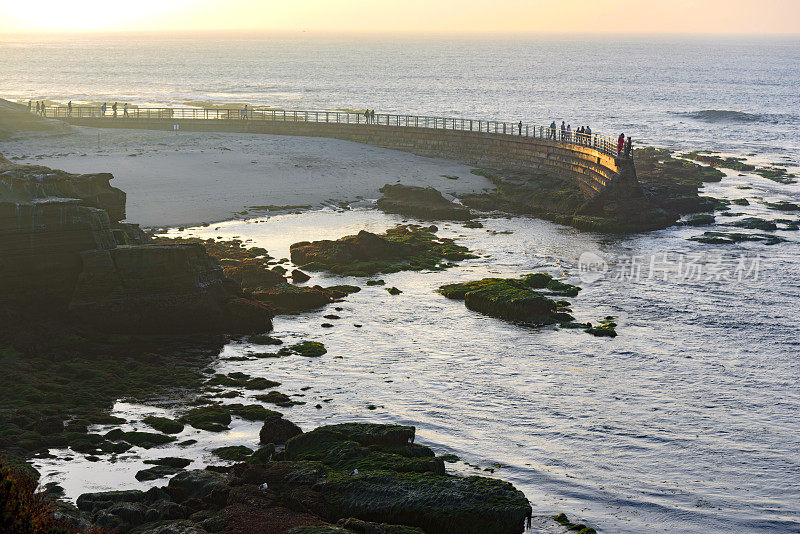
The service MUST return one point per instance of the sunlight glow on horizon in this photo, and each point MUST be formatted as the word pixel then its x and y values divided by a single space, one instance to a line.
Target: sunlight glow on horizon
pixel 424 16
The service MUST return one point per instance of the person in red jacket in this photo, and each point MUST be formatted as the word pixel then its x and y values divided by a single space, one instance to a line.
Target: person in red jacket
pixel 620 144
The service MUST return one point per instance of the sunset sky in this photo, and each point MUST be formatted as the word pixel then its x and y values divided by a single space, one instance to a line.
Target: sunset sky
pixel 430 16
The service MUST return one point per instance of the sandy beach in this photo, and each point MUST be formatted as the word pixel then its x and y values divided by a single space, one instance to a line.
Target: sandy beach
pixel 193 178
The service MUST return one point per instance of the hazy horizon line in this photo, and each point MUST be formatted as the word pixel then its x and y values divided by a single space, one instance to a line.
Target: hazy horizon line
pixel 488 33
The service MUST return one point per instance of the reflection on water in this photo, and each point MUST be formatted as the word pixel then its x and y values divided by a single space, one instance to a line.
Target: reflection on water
pixel 685 422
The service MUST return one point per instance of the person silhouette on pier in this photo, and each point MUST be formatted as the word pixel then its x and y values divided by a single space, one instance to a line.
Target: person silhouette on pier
pixel 588 132
pixel 69 108
pixel 103 109
pixel 29 106
pixel 552 133
pixel 244 112
pixel 569 133
pixel 563 131
pixel 627 148
pixel 125 110
pixel 620 144
pixel 37 107
pixel 520 127
pixel 114 109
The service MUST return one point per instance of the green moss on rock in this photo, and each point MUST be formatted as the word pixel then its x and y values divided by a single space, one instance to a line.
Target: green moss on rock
pixel 407 247
pixel 506 298
pixel 211 418
pixel 164 424
pixel 235 453
pixel 435 503
pixel 309 349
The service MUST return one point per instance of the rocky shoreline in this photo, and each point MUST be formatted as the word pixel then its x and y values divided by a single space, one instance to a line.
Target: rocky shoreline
pixel 117 327
pixel 96 311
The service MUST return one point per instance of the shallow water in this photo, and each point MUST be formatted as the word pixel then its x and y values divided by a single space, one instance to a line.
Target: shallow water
pixel 686 422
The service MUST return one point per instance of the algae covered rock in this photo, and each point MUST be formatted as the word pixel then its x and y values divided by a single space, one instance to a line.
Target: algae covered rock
pixel 146 440
pixel 437 504
pixel 211 418
pixel 606 328
pixel 364 446
pixel 164 424
pixel 309 349
pixel 278 431
pixel 288 298
pixel 422 202
pixel 156 472
pixel 702 219
pixel 233 452
pixel 755 223
pixel 726 238
pixel 194 484
pixel 170 461
pixel 252 412
pixel 407 247
pixel 526 300
pixel 278 398
pixel 504 298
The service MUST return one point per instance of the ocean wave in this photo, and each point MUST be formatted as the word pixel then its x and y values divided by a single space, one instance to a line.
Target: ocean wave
pixel 724 115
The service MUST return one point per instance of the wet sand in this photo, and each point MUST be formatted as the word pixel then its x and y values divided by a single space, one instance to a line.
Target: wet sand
pixel 199 177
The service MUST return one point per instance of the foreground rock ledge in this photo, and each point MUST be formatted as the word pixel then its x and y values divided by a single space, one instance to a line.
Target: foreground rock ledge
pixel 339 479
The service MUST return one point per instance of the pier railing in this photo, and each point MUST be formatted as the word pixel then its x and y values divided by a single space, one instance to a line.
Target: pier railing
pixel 602 143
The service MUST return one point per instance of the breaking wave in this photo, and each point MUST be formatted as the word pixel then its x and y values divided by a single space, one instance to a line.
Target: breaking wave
pixel 723 115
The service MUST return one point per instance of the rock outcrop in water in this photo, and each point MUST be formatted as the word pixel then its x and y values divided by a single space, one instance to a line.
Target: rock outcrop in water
pixel 515 299
pixel 421 202
pixel 64 249
pixel 529 300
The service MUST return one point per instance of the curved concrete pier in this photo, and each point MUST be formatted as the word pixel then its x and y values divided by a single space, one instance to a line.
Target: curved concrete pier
pixel 589 164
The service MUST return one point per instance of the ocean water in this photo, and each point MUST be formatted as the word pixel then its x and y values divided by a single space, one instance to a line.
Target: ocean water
pixel 686 422
pixel 730 94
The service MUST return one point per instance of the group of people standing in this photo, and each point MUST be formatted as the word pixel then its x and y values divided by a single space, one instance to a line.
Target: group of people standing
pixel 369 115
pixel 114 107
pixel 40 107
pixel 583 136
pixel 623 146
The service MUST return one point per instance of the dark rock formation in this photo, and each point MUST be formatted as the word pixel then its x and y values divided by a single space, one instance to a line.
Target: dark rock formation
pixel 163 289
pixel 421 202
pixel 349 478
pixel 251 268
